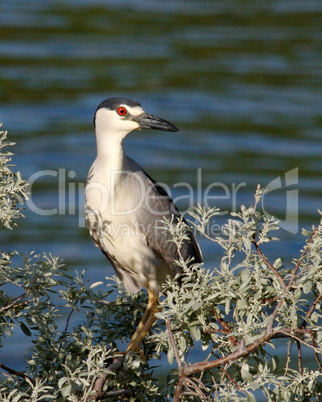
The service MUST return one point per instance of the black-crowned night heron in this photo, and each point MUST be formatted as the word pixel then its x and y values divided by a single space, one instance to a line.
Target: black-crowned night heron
pixel 125 209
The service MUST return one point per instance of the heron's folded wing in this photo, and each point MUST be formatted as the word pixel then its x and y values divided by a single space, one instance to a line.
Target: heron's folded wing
pixel 158 206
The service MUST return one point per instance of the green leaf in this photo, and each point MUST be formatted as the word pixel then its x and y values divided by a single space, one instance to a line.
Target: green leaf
pixel 307 286
pixel 195 333
pixel 65 391
pixel 306 233
pixel 246 375
pixel 170 355
pixel 319 286
pixel 25 329
pixel 227 306
pixel 62 381
pixel 275 363
pixel 247 243
pixel 250 397
pixel 95 284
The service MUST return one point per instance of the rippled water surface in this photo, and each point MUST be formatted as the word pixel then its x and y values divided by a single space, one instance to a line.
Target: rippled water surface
pixel 240 79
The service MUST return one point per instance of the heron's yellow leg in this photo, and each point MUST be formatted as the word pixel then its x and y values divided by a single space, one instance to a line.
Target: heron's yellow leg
pixel 145 323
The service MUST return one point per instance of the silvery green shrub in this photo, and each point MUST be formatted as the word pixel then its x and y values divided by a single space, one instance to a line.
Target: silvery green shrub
pixel 253 324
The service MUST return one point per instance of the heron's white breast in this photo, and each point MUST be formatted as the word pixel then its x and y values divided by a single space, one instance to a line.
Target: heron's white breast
pixel 112 200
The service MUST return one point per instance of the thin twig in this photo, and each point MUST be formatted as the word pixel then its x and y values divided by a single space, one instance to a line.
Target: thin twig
pixel 230 378
pixel 14 283
pixel 190 384
pixel 68 319
pixel 288 356
pixel 309 313
pixel 225 326
pixel 174 346
pixel 200 383
pixel 269 265
pixel 268 301
pixel 101 379
pixel 290 284
pixel 314 344
pixel 14 303
pixel 17 373
pixel 274 315
pixel 291 335
pixel 66 326
pixel 299 357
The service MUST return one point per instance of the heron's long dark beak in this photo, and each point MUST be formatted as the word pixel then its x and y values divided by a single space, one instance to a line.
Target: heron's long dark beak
pixel 146 120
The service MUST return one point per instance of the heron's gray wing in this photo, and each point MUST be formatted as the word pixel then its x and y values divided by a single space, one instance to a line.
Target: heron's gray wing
pixel 158 206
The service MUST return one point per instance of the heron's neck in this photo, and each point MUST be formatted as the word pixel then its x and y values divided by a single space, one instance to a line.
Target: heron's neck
pixel 110 151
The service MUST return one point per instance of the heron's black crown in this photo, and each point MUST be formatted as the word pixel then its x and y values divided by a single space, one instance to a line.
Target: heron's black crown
pixel 113 103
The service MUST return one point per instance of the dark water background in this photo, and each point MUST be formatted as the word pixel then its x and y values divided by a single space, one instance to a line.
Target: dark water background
pixel 241 79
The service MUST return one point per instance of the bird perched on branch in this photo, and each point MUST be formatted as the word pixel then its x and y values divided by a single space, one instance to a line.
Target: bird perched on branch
pixel 126 208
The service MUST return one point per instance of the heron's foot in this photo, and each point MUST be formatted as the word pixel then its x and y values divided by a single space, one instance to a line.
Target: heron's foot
pixel 141 354
pixel 117 355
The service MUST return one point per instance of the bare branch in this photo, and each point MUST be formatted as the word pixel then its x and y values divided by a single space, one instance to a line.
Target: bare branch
pixel 299 357
pixel 195 386
pixel 15 303
pixel 242 351
pixel 226 328
pixel 17 373
pixel 288 356
pixel 274 315
pixel 100 381
pixel 230 378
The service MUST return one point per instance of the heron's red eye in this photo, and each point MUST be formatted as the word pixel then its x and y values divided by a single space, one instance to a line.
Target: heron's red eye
pixel 121 111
